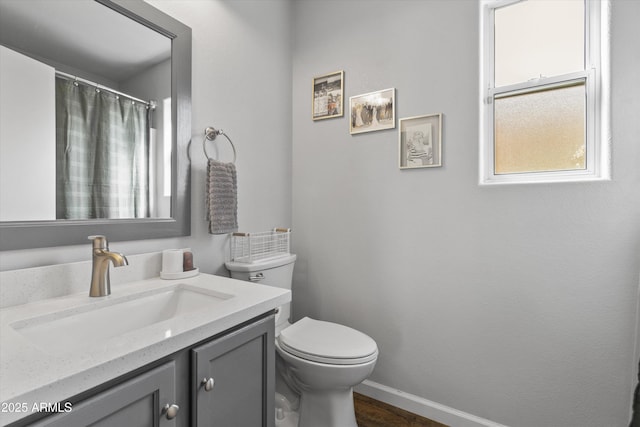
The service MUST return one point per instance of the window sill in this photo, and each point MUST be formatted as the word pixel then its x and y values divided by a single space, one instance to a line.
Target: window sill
pixel 541 178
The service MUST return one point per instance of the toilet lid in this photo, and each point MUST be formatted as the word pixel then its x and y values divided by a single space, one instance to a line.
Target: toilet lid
pixel 327 342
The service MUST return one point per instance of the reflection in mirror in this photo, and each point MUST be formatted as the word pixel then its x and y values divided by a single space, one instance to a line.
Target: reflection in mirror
pixel 111 79
pixel 95 118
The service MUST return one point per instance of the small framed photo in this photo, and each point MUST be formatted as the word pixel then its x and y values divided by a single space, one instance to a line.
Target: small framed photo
pixel 420 141
pixel 328 100
pixel 373 111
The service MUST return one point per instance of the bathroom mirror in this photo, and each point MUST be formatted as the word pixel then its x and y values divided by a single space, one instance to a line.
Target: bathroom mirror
pixel 117 41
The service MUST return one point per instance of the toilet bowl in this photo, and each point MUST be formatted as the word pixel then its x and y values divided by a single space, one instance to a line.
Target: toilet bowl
pixel 318 362
pixel 323 361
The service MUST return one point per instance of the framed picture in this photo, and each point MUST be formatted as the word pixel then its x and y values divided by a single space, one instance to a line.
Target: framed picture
pixel 373 111
pixel 328 100
pixel 420 141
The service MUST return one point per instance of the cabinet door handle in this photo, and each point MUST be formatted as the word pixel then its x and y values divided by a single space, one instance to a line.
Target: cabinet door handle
pixel 170 411
pixel 207 383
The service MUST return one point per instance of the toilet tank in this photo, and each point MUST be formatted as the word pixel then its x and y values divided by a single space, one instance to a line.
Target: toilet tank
pixel 276 272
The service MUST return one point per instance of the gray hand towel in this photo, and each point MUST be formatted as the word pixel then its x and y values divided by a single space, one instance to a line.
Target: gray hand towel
pixel 222 197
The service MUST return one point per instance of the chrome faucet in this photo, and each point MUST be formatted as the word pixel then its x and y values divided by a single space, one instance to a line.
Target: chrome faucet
pixel 100 283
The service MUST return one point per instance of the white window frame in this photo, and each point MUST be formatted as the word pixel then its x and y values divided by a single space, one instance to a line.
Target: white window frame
pixel 596 77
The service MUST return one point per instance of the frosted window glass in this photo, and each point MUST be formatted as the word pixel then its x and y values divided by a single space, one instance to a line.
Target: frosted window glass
pixel 538 38
pixel 541 131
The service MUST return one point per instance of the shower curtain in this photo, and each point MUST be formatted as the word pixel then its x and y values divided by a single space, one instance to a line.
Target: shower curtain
pixel 102 147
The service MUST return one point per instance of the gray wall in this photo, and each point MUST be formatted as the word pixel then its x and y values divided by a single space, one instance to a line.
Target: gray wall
pixel 513 303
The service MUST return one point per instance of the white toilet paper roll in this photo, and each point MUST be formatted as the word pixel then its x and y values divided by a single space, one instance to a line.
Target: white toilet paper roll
pixel 172 261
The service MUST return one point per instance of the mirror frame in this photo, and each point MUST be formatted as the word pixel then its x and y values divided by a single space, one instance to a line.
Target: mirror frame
pixel 40 234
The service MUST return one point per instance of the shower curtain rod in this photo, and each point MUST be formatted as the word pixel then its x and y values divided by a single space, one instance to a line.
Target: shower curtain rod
pixel 150 104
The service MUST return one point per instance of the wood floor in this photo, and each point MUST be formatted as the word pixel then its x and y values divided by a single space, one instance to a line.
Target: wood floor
pixel 373 413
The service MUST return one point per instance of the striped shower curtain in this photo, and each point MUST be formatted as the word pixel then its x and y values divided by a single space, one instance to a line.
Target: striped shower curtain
pixel 102 154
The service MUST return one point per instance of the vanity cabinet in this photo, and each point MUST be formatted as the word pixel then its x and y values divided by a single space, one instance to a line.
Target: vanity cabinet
pixel 228 380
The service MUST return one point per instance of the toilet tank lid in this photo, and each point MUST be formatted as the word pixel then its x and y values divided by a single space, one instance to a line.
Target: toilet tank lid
pixel 263 264
pixel 327 340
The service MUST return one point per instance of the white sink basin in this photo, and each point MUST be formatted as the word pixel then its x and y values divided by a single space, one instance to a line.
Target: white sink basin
pixel 92 325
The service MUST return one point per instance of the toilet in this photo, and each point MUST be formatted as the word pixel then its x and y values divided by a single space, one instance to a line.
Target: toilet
pixel 318 363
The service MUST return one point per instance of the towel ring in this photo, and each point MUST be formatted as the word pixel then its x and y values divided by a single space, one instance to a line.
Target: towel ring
pixel 211 134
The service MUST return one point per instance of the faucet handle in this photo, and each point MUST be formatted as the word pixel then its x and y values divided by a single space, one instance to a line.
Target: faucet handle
pixel 99 242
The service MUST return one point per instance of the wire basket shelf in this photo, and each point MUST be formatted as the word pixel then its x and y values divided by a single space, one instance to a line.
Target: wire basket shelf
pixel 251 247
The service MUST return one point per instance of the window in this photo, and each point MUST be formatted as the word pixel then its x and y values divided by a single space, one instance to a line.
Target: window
pixel 544 91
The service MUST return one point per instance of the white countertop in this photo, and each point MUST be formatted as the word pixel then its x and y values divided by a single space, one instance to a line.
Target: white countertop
pixel 29 374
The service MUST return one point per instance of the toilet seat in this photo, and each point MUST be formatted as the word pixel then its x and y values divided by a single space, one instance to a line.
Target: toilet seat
pixel 326 342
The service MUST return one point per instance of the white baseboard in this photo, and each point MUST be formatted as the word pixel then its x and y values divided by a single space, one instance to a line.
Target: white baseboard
pixel 423 407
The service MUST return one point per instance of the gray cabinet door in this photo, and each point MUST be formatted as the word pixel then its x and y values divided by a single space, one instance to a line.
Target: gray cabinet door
pixel 240 368
pixel 134 403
